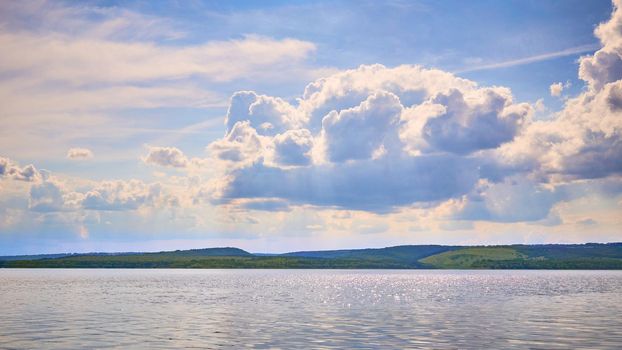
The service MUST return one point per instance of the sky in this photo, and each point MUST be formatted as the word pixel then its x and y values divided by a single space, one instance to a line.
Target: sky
pixel 278 126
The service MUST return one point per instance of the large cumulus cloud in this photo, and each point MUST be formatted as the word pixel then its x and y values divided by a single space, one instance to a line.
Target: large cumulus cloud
pixel 377 138
pixel 371 138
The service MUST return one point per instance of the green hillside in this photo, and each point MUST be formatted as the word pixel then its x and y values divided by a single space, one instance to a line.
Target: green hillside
pixel 410 253
pixel 546 256
pixel 471 257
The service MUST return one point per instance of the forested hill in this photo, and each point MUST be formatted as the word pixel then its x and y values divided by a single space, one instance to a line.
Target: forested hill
pixel 549 256
pixel 404 252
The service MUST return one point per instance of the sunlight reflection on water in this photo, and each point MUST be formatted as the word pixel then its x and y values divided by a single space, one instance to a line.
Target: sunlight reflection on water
pixel 90 308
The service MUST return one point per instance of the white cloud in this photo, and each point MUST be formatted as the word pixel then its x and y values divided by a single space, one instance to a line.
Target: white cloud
pixel 539 106
pixel 293 147
pixel 267 115
pixel 79 61
pixel 89 44
pixel 475 120
pixel 122 195
pixel 13 171
pixel 347 89
pixel 242 144
pixel 51 196
pixel 167 157
pixel 605 65
pixel 556 89
pixel 355 133
pixel 79 153
pixel 113 22
pixel 48 194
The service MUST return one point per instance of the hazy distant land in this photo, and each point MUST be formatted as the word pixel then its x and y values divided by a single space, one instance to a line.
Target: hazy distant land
pixel 549 256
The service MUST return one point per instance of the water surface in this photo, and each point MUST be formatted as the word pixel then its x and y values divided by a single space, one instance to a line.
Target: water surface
pixel 286 309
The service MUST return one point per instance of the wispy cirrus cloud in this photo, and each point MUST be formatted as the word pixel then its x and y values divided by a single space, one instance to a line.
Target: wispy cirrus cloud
pixel 531 59
pixel 83 61
pixel 70 69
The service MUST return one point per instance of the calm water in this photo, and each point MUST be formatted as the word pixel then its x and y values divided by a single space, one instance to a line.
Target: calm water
pixel 287 309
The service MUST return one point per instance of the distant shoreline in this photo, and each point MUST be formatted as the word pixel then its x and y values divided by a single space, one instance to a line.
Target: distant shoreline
pixel 590 256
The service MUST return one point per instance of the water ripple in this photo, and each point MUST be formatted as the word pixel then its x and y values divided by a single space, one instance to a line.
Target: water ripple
pixel 319 309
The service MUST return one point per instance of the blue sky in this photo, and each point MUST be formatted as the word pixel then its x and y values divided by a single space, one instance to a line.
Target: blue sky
pixel 288 125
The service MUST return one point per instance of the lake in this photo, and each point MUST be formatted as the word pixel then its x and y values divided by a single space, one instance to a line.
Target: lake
pixel 309 309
